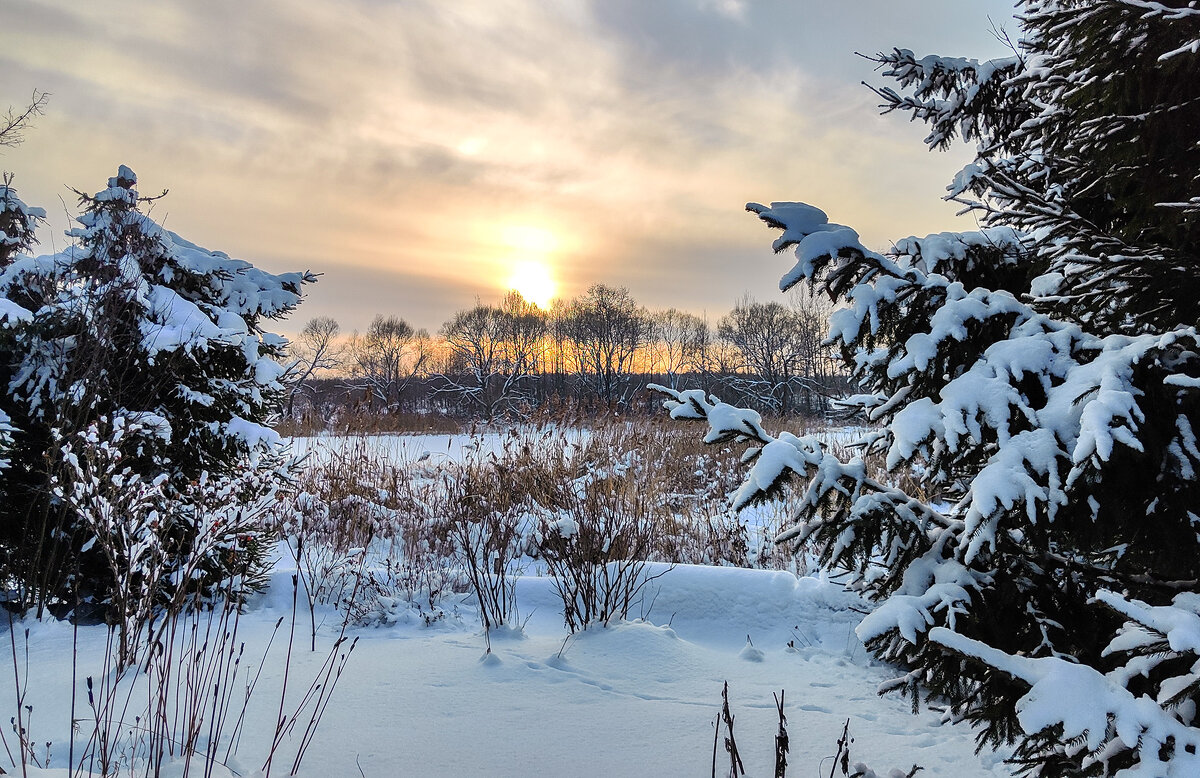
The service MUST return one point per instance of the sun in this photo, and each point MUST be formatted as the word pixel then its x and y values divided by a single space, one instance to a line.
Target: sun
pixel 534 281
pixel 527 256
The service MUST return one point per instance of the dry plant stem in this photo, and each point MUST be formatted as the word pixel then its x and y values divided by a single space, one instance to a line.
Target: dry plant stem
pixel 26 732
pixel 309 595
pixel 190 670
pixel 20 699
pixel 318 693
pixel 324 688
pixel 843 752
pixel 74 679
pixel 781 739
pixel 716 740
pixel 236 735
pixel 325 692
pixel 735 759
pixel 280 721
pixel 736 767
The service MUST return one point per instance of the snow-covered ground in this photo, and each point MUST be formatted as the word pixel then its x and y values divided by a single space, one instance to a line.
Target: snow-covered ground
pixel 636 698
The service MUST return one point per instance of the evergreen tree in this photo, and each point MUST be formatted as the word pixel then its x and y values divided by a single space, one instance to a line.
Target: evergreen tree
pixel 136 328
pixel 1039 381
pixel 18 225
pixel 18 222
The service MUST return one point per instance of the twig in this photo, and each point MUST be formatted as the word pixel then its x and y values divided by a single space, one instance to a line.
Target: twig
pixel 781 739
pixel 736 767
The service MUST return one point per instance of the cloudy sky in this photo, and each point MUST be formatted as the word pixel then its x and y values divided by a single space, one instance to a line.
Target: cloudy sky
pixel 422 153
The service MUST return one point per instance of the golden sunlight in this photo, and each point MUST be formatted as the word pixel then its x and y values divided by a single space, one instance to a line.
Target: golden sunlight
pixel 533 280
pixel 530 269
pixel 531 240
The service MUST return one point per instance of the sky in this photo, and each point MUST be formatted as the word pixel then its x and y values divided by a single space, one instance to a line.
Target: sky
pixel 420 154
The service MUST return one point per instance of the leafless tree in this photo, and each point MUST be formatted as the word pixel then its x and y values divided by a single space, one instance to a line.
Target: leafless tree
pixel 316 350
pixel 679 342
pixel 386 358
pixel 820 370
pixel 779 347
pixel 18 221
pixel 606 328
pixel 17 120
pixel 525 343
pixel 495 353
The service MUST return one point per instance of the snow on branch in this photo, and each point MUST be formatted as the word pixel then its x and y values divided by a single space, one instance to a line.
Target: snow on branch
pixel 946 92
pixel 1092 710
pixel 1170 13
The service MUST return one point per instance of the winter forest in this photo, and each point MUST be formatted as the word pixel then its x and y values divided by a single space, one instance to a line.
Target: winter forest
pixel 929 508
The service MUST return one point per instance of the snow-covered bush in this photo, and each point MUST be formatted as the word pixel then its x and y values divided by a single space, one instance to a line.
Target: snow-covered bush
pixel 1041 375
pixel 368 538
pixel 486 506
pixel 596 544
pixel 131 322
pixel 381 537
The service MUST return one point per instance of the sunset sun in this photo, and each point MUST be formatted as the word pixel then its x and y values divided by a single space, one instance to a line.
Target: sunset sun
pixel 533 280
pixel 529 264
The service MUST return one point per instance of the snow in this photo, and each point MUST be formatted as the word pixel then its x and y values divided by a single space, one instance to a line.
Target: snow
pixel 636 698
pixel 10 312
pixel 409 448
pixel 423 693
pixel 256 437
pixel 1088 705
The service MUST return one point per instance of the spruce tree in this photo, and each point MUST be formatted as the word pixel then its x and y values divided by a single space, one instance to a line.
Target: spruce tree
pixel 1037 381
pixel 134 328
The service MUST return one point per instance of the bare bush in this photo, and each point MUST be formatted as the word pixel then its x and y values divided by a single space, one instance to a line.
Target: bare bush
pixel 590 505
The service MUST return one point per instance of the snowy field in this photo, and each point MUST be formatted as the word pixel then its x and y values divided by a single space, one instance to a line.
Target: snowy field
pixel 637 698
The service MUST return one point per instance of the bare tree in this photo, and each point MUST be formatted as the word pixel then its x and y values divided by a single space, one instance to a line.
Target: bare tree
pixel 525 337
pixel 316 350
pixel 17 120
pixel 495 351
pixel 679 341
pixel 556 357
pixel 18 221
pixel 606 328
pixel 385 359
pixel 779 346
pixel 819 372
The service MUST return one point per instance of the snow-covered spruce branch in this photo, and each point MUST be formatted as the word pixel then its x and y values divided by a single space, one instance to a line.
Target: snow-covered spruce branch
pixel 1082 408
pixel 1170 13
pixel 953 95
pixel 775 459
pixel 1094 714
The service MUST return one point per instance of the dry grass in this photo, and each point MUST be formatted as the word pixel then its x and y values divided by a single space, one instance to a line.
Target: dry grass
pixel 573 501
pixel 654 470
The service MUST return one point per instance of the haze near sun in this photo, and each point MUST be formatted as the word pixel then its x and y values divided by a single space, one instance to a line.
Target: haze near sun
pixel 530 267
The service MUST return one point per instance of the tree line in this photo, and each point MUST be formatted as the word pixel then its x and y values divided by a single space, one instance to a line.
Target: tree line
pixel 598 349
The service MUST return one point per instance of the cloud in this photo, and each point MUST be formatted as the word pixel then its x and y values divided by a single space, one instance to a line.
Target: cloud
pixel 388 144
